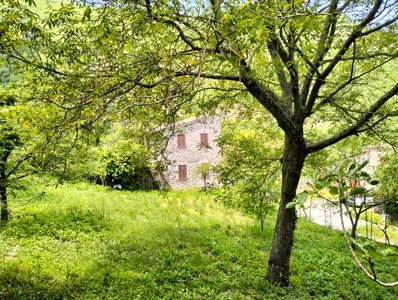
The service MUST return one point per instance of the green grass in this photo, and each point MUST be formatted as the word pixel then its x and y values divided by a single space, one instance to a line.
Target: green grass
pixel 89 242
pixel 372 231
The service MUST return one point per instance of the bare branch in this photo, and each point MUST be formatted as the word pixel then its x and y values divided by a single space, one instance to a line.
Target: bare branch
pixel 355 34
pixel 355 127
pixel 17 164
pixel 324 44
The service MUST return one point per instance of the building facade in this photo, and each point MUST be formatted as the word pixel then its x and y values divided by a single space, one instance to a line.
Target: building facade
pixel 372 155
pixel 192 152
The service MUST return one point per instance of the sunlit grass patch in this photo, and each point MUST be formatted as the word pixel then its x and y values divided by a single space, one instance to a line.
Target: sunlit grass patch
pixel 372 231
pixel 89 242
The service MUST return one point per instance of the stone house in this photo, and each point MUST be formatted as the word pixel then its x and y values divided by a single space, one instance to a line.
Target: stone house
pixel 193 143
pixel 373 155
pixel 192 150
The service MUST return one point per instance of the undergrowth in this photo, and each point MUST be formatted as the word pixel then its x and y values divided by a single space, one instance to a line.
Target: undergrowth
pixel 89 242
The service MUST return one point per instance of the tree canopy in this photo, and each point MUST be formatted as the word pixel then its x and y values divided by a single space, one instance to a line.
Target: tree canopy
pixel 305 62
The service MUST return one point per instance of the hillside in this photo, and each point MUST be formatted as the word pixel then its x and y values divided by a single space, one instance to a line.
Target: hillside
pixel 89 242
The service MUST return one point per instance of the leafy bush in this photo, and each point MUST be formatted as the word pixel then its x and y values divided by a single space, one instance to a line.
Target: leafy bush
pixel 249 172
pixel 387 172
pixel 391 209
pixel 126 164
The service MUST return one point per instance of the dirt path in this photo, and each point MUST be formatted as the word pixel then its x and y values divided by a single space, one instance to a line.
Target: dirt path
pixel 327 215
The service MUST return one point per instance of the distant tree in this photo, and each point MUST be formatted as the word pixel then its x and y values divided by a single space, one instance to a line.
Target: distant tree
pixel 387 172
pixel 9 140
pixel 249 170
pixel 204 170
pixel 13 153
pixel 123 162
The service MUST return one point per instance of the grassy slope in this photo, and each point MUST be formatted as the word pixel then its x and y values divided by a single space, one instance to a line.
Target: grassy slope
pixel 85 242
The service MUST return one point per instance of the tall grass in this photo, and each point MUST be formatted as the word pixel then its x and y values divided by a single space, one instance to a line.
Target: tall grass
pixel 89 242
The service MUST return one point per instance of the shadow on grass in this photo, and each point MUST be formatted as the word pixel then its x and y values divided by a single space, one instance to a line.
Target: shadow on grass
pixel 51 223
pixel 77 255
pixel 80 255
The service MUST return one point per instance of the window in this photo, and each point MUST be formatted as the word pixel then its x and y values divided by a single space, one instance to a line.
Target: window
pixel 204 139
pixel 181 142
pixel 182 172
pixel 355 183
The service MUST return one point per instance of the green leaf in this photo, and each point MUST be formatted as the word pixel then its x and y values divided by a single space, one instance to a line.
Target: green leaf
pixel 389 252
pixel 358 191
pixel 345 188
pixel 352 168
pixel 365 176
pixel 31 2
pixel 333 190
pixel 291 204
pixel 363 165
pixel 87 13
pixel 300 200
pixel 371 248
pixel 358 245
pixel 315 176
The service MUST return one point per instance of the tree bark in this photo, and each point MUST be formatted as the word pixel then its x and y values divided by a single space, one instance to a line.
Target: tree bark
pixel 292 164
pixel 354 227
pixel 4 204
pixel 3 186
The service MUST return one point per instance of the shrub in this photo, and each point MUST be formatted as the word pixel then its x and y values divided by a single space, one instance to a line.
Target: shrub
pixel 125 164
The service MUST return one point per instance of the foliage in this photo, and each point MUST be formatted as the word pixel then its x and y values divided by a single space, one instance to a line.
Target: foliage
pixel 344 183
pixel 249 169
pixel 203 169
pixel 391 209
pixel 305 63
pixel 387 173
pixel 347 149
pixel 9 139
pixel 12 156
pixel 125 163
pixel 90 242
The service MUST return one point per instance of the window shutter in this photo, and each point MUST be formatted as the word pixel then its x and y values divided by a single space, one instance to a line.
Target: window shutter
pixel 204 139
pixel 182 172
pixel 181 142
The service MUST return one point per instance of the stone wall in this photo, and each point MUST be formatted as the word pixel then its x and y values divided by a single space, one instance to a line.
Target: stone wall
pixel 372 155
pixel 194 153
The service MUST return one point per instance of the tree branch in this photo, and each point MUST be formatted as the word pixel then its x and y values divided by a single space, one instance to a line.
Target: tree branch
pixel 355 34
pixel 324 44
pixel 354 128
pixel 265 96
pixel 352 79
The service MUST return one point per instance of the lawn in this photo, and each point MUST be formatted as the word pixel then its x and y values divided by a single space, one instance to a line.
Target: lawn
pixel 81 241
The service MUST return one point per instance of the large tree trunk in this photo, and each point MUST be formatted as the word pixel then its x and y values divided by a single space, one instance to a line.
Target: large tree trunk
pixel 292 165
pixel 3 203
pixel 3 186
